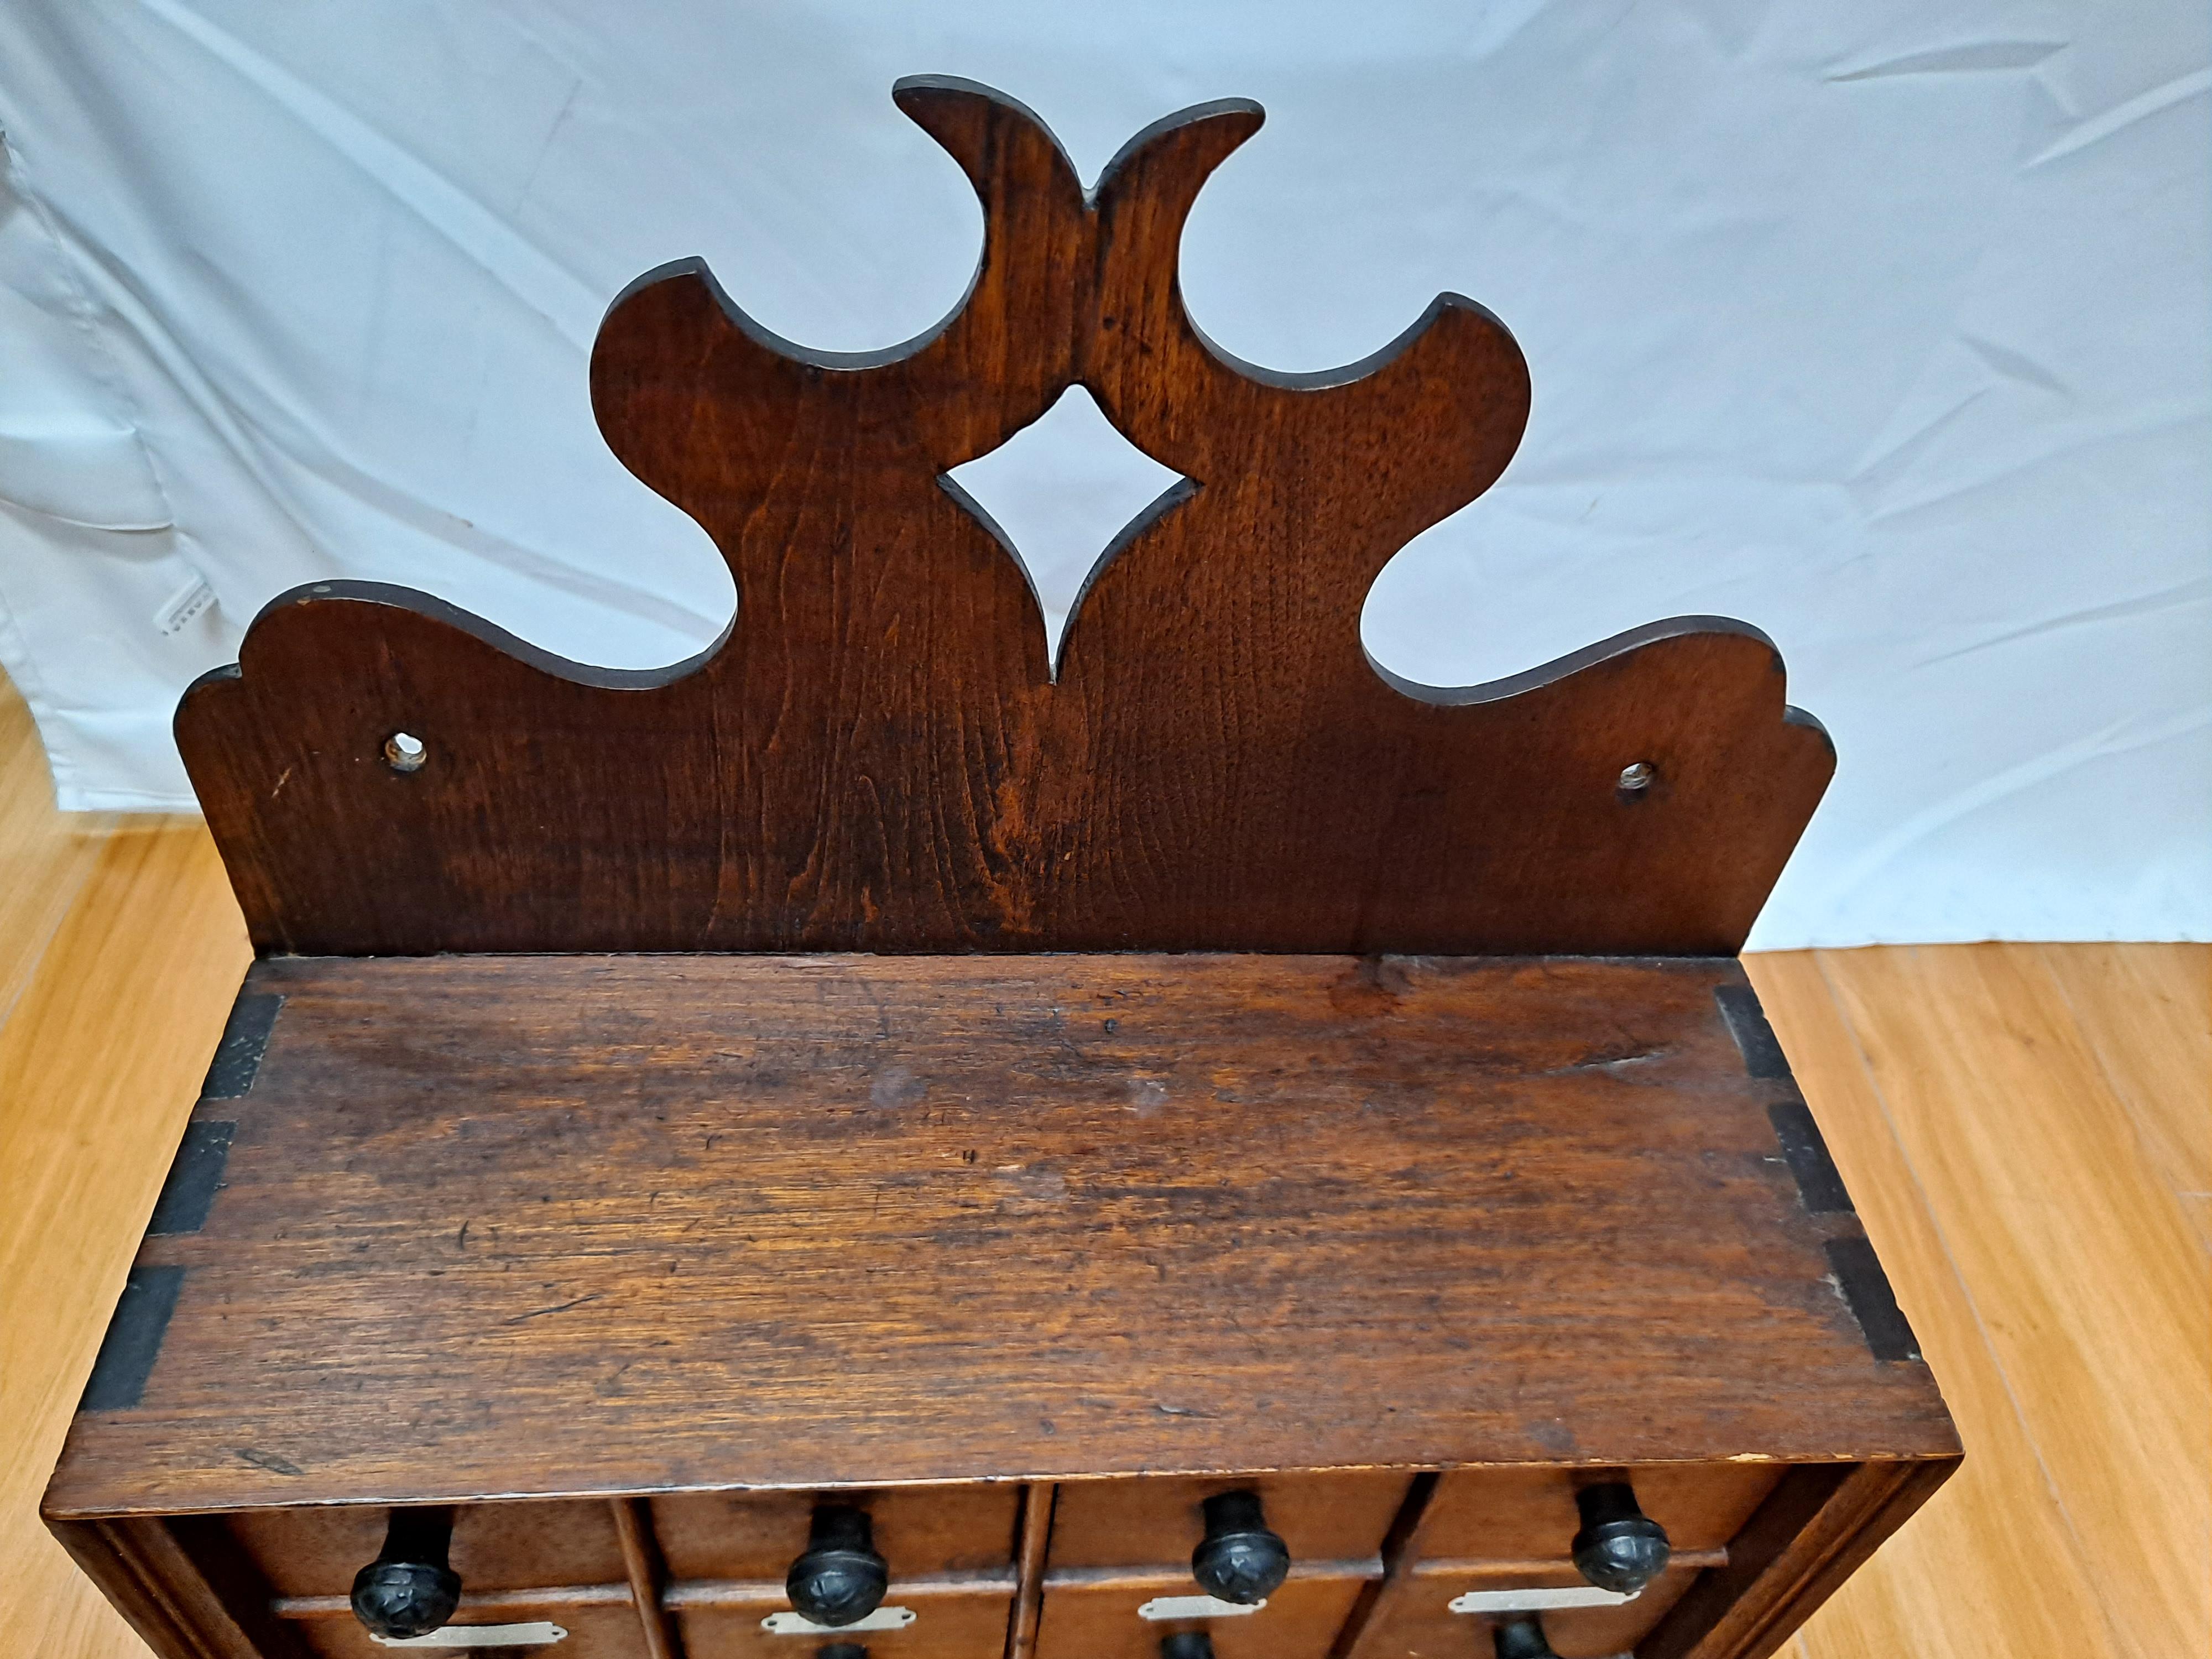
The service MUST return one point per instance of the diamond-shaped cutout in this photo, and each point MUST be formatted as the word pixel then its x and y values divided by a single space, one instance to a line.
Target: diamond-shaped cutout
pixel 1060 490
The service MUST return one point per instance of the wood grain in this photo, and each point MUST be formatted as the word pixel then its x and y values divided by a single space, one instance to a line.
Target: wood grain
pixel 1160 1520
pixel 593 1632
pixel 956 1530
pixel 2145 1011
pixel 317 1551
pixel 647 1572
pixel 1529 1514
pixel 1991 1563
pixel 155 1584
pixel 876 757
pixel 1300 1621
pixel 1501 1529
pixel 2112 1372
pixel 1816 1528
pixel 100 1058
pixel 822 1222
pixel 1413 1619
pixel 46 855
pixel 952 1627
pixel 2009 1551
pixel 1039 1500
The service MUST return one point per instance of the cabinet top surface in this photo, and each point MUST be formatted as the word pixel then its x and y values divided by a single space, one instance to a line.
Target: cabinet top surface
pixel 532 1226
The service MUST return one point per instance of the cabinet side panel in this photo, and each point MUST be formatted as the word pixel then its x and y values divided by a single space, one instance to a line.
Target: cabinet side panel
pixel 180 1610
pixel 1821 1524
pixel 117 1574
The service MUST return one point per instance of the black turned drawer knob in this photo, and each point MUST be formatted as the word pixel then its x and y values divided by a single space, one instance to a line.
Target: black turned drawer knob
pixel 1241 1560
pixel 409 1590
pixel 1187 1645
pixel 1524 1639
pixel 841 1579
pixel 1619 1547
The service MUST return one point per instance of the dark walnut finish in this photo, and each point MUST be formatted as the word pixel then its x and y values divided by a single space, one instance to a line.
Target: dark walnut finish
pixel 534 1264
pixel 878 757
pixel 875 1220
pixel 922 1228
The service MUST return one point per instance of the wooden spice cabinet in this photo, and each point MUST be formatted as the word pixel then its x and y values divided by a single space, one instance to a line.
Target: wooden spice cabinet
pixel 871 1068
pixel 1411 1247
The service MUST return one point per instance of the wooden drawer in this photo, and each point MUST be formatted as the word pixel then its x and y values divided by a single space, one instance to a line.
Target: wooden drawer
pixel 604 1633
pixel 1301 1620
pixel 1508 1529
pixel 751 1536
pixel 1118 1545
pixel 1413 1620
pixel 497 1547
pixel 711 1565
pixel 917 1529
pixel 1157 1521
pixel 1528 1514
pixel 956 1626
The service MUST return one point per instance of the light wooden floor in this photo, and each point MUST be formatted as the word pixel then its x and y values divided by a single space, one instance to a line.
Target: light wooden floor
pixel 2027 1128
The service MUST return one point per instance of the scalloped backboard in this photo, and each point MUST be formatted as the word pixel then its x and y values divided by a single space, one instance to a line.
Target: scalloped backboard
pixel 878 756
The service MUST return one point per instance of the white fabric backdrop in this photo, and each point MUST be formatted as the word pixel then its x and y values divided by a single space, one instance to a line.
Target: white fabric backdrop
pixel 1883 327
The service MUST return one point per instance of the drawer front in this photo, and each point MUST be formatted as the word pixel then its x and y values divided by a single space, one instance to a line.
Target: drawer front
pixel 1156 1521
pixel 1301 1620
pixel 917 1529
pixel 738 1536
pixel 949 1551
pixel 1414 1621
pixel 612 1632
pixel 513 1545
pixel 1114 1547
pixel 1504 1530
pixel 944 1628
pixel 1528 1514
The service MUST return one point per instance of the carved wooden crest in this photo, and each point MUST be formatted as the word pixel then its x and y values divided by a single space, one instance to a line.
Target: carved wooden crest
pixel 877 755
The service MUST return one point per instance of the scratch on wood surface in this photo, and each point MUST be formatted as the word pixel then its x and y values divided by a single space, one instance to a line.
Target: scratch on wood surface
pixel 558 1307
pixel 270 1460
